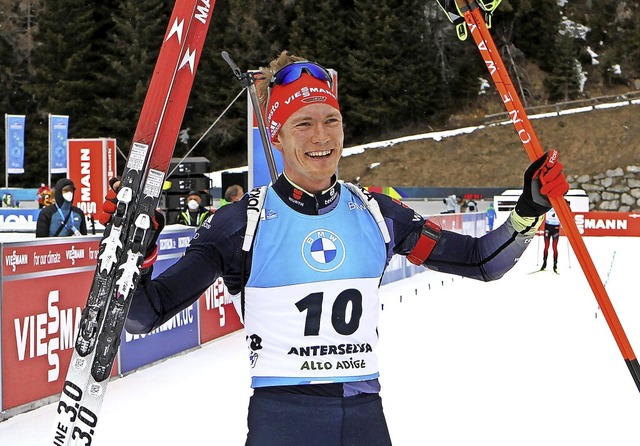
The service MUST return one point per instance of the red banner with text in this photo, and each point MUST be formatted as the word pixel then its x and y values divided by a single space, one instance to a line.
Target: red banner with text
pixel 218 316
pixel 618 224
pixel 92 162
pixel 40 314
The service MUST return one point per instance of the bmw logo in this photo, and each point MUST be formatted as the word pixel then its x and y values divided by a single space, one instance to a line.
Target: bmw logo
pixel 323 250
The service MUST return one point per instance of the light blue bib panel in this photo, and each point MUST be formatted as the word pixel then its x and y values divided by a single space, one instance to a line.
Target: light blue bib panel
pixel 551 218
pixel 311 301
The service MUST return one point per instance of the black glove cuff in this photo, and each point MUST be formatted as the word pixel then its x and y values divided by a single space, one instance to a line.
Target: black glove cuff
pixel 526 208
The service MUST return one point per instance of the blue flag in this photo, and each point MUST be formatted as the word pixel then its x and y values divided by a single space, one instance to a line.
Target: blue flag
pixel 14 133
pixel 58 131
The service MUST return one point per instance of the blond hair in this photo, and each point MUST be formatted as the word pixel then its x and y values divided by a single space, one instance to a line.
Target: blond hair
pixel 266 73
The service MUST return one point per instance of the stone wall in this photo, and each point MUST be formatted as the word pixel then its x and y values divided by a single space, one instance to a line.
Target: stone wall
pixel 615 190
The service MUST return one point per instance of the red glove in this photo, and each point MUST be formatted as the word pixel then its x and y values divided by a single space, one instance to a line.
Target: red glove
pixel 542 180
pixel 109 207
pixel 110 203
pixel 554 184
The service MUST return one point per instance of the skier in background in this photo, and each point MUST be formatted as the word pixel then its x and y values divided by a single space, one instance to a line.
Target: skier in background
pixel 551 233
pixel 310 311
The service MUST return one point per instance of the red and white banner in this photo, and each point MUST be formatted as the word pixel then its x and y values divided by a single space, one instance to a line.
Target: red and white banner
pixel 218 316
pixel 449 222
pixel 619 224
pixel 44 287
pixel 92 162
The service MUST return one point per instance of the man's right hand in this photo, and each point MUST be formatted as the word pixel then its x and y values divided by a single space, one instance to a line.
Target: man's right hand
pixel 109 207
pixel 110 203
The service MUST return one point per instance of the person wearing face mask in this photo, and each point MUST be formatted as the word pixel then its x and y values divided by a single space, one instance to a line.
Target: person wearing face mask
pixel 62 218
pixel 193 214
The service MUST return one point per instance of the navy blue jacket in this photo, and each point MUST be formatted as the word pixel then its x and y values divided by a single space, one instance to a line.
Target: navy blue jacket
pixel 51 218
pixel 216 251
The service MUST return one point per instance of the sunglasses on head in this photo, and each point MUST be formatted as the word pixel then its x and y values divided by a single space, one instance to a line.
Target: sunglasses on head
pixel 293 71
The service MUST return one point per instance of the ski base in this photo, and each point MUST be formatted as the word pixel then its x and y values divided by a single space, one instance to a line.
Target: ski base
pixel 122 247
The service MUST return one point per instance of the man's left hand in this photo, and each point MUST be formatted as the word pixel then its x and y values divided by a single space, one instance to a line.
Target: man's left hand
pixel 543 179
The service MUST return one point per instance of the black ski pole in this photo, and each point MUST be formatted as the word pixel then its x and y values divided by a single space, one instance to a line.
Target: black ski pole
pixel 248 81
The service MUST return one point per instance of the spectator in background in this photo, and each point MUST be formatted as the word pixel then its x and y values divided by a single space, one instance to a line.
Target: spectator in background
pixel 193 213
pixel 8 201
pixel 42 190
pixel 47 198
pixel 233 193
pixel 452 204
pixel 471 206
pixel 491 216
pixel 62 218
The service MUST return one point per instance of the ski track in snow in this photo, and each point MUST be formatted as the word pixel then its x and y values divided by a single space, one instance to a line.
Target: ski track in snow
pixel 525 360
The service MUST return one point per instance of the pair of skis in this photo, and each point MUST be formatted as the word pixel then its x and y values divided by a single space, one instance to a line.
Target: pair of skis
pixel 122 248
pixel 472 13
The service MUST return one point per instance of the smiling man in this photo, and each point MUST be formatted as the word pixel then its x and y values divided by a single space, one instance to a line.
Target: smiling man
pixel 303 116
pixel 303 259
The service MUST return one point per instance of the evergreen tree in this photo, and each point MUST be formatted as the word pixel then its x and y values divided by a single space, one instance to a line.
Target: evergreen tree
pixel 215 86
pixel 17 25
pixel 599 16
pixel 393 75
pixel 634 44
pixel 375 70
pixel 383 56
pixel 6 78
pixel 68 56
pixel 457 63
pixel 563 82
pixel 134 42
pixel 532 26
pixel 400 66
pixel 421 85
pixel 252 32
pixel 321 32
pixel 619 66
pixel 328 33
pixel 5 89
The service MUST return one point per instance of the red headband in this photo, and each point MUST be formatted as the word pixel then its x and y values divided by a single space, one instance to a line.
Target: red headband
pixel 285 100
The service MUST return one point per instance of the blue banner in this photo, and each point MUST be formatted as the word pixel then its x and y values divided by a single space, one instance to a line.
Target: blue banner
pixel 14 132
pixel 261 173
pixel 18 219
pixel 178 334
pixel 58 133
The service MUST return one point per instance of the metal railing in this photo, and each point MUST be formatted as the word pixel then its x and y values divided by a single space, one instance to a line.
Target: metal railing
pixel 558 107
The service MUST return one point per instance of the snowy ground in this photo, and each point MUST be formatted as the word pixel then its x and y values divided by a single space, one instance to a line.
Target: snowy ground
pixel 527 360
